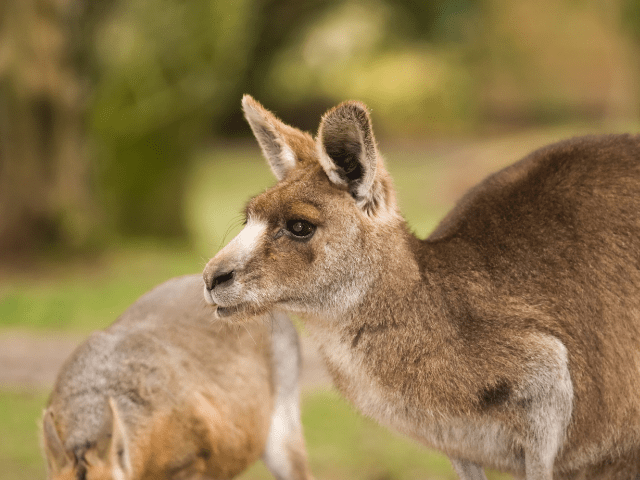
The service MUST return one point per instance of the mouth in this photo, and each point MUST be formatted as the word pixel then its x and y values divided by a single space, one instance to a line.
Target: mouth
pixel 242 311
pixel 224 312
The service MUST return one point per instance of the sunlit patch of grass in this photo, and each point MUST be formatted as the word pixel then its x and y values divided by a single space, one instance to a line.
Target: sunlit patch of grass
pixel 345 444
pixel 416 177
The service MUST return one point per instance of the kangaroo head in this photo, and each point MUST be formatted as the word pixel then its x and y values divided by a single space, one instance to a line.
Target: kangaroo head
pixel 175 443
pixel 310 242
pixel 107 458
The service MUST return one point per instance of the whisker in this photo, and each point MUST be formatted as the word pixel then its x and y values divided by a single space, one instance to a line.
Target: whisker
pixel 245 327
pixel 237 221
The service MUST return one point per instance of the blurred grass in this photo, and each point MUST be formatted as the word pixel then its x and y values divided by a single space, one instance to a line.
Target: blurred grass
pixel 19 443
pixel 81 295
pixel 223 180
pixel 344 444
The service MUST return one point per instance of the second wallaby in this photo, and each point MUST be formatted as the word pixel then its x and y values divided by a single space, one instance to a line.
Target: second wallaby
pixel 509 338
pixel 168 393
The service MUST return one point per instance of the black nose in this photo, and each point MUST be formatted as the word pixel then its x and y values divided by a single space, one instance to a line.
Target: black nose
pixel 221 277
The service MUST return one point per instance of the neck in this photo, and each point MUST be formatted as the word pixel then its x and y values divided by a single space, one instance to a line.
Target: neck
pixel 398 336
pixel 406 318
pixel 388 272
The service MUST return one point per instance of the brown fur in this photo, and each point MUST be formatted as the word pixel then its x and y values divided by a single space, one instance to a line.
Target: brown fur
pixel 509 338
pixel 168 393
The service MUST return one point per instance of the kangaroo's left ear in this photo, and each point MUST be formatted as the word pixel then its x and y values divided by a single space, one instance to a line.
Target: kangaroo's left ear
pixel 349 156
pixel 282 145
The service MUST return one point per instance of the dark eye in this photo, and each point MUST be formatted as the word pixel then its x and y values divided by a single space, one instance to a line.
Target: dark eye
pixel 301 228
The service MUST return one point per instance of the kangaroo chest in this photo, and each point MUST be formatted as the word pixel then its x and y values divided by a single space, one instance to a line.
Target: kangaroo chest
pixel 483 440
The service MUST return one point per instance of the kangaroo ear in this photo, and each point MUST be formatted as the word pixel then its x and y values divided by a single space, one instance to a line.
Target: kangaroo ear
pixel 57 457
pixel 349 156
pixel 119 448
pixel 280 143
pixel 112 446
pixel 210 417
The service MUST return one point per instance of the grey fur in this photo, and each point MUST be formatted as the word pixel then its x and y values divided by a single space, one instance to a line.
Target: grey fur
pixel 166 357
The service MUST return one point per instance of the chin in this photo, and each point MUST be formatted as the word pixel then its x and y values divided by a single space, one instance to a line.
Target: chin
pixel 242 312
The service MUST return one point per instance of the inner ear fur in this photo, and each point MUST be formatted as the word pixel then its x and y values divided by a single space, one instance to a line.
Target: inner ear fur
pixel 349 156
pixel 119 447
pixel 282 145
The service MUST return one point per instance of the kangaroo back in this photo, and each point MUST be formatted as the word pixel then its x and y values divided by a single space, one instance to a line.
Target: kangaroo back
pixel 167 392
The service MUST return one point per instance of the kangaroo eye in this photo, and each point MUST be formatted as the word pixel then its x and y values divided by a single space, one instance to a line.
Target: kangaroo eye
pixel 301 228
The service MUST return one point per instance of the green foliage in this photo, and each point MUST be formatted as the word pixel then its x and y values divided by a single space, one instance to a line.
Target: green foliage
pixel 170 74
pixel 165 70
pixel 631 17
pixel 357 50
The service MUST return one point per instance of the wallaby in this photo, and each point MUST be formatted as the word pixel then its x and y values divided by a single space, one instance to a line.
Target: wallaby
pixel 509 338
pixel 167 392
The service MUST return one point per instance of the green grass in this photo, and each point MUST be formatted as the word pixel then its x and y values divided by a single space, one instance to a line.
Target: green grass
pixel 344 444
pixel 19 442
pixel 83 295
pixel 341 444
pixel 416 178
pixel 220 184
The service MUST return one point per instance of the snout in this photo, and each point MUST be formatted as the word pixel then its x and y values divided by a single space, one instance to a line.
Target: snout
pixel 222 285
pixel 217 276
pixel 226 292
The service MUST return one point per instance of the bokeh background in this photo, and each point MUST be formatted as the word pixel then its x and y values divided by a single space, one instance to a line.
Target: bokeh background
pixel 125 160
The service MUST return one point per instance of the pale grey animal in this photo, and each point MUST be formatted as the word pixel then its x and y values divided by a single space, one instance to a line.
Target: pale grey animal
pixel 167 392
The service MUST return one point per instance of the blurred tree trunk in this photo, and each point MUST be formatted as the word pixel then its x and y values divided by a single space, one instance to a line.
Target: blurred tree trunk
pixel 45 188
